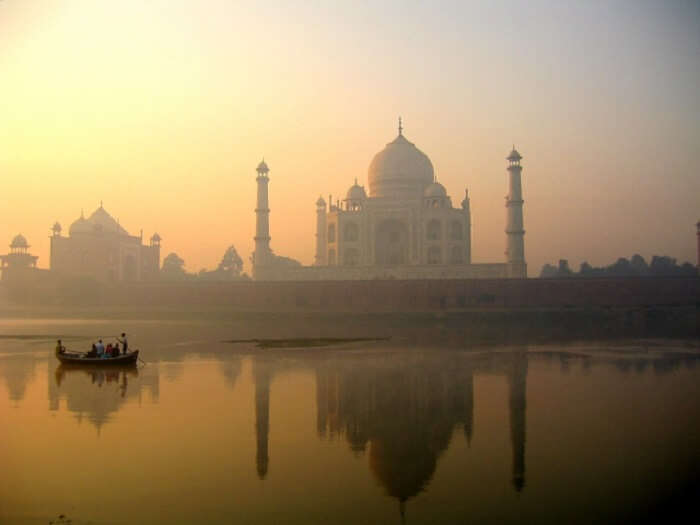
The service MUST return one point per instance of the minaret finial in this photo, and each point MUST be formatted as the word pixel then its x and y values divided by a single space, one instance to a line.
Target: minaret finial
pixel 400 127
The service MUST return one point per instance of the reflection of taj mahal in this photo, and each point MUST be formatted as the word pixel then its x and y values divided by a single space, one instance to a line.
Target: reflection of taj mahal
pixel 406 228
pixel 403 415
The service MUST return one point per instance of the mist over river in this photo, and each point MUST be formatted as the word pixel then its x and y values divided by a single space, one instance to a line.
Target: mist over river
pixel 303 420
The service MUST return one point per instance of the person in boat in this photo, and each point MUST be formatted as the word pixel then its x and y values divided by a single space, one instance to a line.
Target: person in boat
pixel 60 348
pixel 93 351
pixel 109 350
pixel 125 344
pixel 100 348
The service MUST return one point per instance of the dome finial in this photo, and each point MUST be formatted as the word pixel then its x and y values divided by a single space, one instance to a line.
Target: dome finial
pixel 400 128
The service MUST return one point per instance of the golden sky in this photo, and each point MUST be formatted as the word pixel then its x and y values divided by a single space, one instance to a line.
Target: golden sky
pixel 162 110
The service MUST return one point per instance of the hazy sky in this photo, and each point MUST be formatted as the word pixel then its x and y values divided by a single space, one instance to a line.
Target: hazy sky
pixel 162 109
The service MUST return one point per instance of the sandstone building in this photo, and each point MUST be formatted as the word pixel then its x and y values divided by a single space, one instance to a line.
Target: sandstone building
pixel 100 248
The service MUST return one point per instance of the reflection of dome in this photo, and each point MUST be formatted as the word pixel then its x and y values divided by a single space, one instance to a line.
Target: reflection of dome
pixel 19 242
pixel 435 191
pixel 399 170
pixel 403 468
pixel 356 192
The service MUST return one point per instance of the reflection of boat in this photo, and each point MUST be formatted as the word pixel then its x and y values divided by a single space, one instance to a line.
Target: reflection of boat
pixel 80 359
pixel 113 373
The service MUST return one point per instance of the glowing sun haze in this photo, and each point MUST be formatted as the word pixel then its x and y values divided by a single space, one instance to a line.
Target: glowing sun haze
pixel 162 109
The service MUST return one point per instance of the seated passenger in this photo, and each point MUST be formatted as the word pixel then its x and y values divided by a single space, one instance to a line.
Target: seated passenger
pixel 108 350
pixel 93 351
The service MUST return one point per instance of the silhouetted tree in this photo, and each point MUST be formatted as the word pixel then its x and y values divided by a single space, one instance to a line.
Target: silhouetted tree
pixel 563 270
pixel 229 268
pixel 548 271
pixel 231 263
pixel 639 265
pixel 173 268
pixel 620 268
pixel 585 270
pixel 661 266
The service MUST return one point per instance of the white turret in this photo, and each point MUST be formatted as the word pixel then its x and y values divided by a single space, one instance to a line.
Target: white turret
pixel 515 234
pixel 262 213
pixel 321 244
pixel 466 209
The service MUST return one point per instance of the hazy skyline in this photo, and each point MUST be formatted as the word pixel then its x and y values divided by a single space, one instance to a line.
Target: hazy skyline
pixel 163 110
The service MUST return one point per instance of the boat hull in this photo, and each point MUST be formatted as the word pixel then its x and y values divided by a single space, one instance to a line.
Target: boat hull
pixel 80 359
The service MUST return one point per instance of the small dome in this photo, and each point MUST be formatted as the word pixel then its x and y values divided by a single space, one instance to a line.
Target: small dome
pixel 320 202
pixel 156 237
pixel 56 227
pixel 19 241
pixel 435 191
pixel 356 193
pixel 262 167
pixel 81 225
pixel 514 155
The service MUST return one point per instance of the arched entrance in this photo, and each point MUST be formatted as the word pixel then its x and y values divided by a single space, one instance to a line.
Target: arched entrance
pixel 391 243
pixel 130 271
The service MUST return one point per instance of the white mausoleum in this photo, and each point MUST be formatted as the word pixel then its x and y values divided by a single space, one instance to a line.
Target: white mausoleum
pixel 406 228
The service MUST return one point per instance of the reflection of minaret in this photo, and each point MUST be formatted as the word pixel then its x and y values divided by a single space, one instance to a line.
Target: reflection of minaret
pixel 517 384
pixel 261 377
pixel 468 384
pixel 462 397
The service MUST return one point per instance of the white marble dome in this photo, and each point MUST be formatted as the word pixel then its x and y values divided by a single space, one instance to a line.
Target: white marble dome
pixel 400 171
pixel 435 191
pixel 356 193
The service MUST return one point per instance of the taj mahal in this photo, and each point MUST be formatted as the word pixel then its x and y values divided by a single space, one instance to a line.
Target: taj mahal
pixel 406 228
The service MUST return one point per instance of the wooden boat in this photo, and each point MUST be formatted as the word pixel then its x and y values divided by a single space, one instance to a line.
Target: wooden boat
pixel 75 358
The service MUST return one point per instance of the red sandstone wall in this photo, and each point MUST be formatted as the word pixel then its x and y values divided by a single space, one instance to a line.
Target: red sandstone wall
pixel 360 296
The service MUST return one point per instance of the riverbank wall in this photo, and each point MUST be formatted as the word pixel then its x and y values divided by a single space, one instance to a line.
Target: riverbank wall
pixel 367 296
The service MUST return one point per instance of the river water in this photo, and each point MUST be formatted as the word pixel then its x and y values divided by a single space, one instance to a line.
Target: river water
pixel 414 430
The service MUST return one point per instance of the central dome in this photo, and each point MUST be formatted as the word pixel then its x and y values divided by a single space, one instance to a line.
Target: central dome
pixel 400 171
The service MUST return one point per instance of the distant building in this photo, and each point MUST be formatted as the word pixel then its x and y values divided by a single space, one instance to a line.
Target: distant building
pixel 19 259
pixel 100 248
pixel 406 228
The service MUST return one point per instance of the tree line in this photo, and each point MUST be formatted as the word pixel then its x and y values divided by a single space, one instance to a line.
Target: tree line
pixel 636 266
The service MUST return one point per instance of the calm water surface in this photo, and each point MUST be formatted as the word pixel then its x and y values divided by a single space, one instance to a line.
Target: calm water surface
pixel 365 432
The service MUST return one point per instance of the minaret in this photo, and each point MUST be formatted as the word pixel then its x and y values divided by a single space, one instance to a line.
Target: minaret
pixel 515 234
pixel 262 226
pixel 466 209
pixel 321 244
